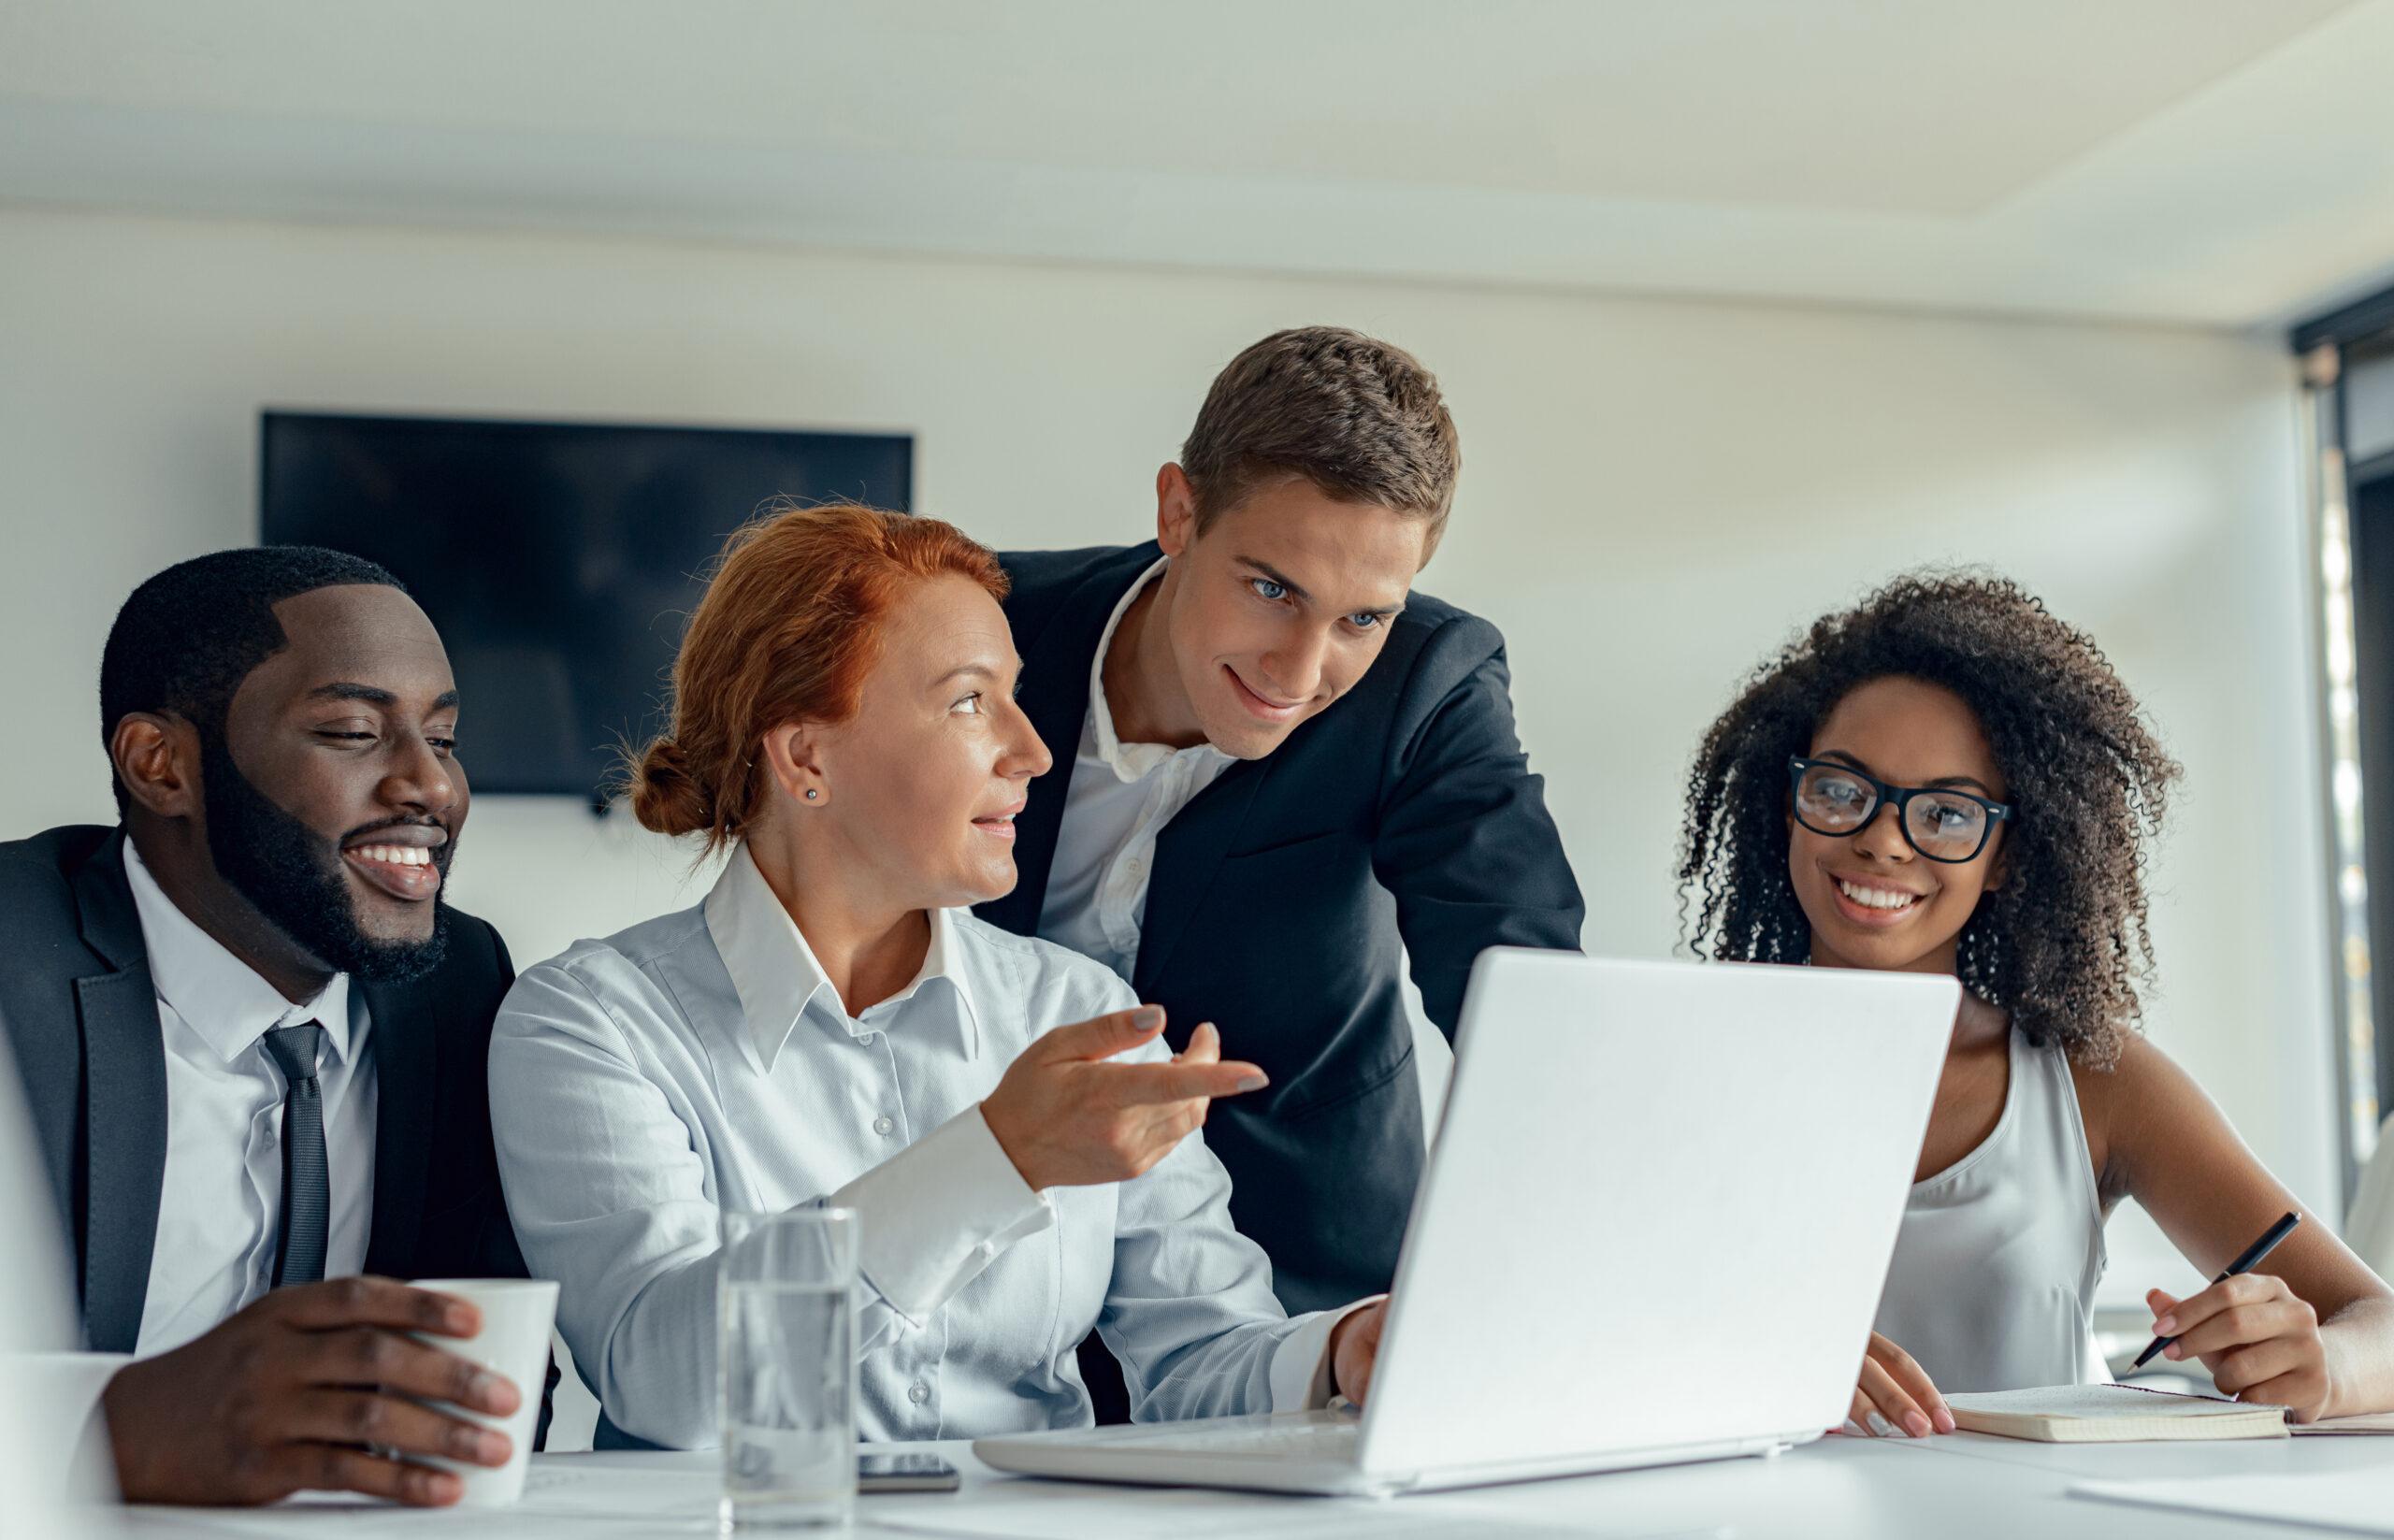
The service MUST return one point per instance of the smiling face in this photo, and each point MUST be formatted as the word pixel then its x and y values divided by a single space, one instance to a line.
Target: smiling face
pixel 334 801
pixel 1872 900
pixel 917 792
pixel 1279 607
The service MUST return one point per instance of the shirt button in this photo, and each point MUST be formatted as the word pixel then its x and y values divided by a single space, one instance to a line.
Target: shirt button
pixel 883 1126
pixel 919 1393
pixel 870 1039
pixel 1136 865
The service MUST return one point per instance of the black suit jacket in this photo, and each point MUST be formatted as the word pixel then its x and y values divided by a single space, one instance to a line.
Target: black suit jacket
pixel 1405 813
pixel 81 1017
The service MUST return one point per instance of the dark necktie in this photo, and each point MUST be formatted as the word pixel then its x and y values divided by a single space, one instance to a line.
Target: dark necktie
pixel 307 1192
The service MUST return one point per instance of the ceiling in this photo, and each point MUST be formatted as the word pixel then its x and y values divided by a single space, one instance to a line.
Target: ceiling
pixel 2214 162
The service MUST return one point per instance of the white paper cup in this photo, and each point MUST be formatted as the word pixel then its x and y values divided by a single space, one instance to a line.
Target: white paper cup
pixel 517 1314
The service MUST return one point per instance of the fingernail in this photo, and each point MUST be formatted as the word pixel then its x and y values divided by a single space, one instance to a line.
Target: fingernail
pixel 2166 1325
pixel 1147 1018
pixel 1916 1425
pixel 459 1321
pixel 433 1488
pixel 2173 1351
pixel 479 1444
pixel 1253 1083
pixel 1944 1418
pixel 493 1394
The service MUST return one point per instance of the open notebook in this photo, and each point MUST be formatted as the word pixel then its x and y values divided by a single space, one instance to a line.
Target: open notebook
pixel 2111 1413
pixel 2128 1413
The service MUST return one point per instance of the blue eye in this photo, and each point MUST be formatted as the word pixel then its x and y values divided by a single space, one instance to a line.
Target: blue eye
pixel 1363 620
pixel 1266 588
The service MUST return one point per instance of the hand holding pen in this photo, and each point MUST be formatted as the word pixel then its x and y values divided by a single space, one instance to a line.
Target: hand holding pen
pixel 2258 1337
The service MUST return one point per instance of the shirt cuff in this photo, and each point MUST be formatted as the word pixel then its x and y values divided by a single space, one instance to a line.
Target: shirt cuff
pixel 1303 1377
pixel 70 1441
pixel 938 1212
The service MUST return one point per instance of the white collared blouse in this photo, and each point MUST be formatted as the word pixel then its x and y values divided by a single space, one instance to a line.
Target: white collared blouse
pixel 701 1061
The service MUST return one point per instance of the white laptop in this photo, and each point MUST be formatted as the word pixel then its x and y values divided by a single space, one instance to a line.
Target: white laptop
pixel 1653 1230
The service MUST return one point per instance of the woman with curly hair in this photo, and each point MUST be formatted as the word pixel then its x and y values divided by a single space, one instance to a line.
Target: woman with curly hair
pixel 1947 779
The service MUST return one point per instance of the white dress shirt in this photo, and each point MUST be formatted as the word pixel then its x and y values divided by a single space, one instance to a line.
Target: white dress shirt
pixel 702 1061
pixel 221 1207
pixel 220 1202
pixel 1119 798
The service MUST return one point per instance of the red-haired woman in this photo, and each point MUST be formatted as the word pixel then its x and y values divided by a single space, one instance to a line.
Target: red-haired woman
pixel 832 1024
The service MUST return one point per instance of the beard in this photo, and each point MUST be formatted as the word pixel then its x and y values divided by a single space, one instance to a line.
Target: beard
pixel 293 876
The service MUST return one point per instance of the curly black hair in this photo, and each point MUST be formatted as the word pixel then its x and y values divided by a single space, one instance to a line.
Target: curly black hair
pixel 2065 941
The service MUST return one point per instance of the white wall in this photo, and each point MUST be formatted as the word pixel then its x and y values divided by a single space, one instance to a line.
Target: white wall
pixel 1654 495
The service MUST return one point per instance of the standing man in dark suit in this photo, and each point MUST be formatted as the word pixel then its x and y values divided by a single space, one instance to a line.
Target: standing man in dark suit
pixel 254 1041
pixel 1276 767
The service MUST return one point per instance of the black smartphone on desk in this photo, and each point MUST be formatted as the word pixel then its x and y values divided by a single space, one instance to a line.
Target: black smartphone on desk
pixel 905 1472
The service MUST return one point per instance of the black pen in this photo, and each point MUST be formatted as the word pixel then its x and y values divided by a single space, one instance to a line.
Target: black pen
pixel 2246 1263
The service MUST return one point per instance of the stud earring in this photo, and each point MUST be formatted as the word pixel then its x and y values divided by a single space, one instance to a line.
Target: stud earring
pixel 812 794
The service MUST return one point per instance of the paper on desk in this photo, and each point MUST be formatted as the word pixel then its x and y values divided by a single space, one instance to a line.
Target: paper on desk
pixel 2358 1502
pixel 308 1513
pixel 558 1501
pixel 601 1494
pixel 1148 1513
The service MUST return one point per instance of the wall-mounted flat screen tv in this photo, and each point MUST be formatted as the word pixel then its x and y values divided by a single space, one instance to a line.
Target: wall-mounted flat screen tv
pixel 560 560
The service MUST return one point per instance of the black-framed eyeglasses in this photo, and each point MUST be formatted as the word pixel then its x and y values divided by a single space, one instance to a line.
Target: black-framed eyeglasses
pixel 1942 822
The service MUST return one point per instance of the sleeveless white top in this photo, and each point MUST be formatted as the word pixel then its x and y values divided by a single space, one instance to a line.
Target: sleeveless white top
pixel 1993 1283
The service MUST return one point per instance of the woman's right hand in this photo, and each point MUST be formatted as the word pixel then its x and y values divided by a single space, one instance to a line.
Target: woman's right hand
pixel 1895 1388
pixel 1067 1118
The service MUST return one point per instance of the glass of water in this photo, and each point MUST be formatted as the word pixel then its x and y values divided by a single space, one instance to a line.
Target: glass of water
pixel 787 1361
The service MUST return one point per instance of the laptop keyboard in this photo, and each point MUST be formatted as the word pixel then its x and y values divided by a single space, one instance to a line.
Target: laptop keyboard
pixel 1305 1441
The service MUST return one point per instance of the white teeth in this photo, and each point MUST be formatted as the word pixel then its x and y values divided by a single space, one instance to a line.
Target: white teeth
pixel 1876 897
pixel 395 855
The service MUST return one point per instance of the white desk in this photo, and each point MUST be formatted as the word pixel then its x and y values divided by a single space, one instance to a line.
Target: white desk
pixel 1961 1486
